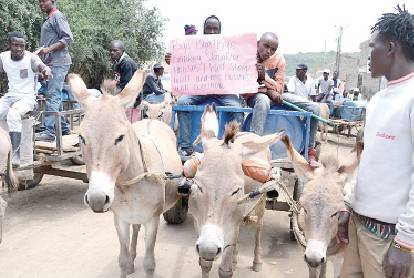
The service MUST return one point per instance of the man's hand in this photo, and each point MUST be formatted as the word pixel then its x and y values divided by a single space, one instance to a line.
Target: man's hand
pixel 42 51
pixel 275 96
pixel 343 221
pixel 397 262
pixel 47 74
pixel 261 73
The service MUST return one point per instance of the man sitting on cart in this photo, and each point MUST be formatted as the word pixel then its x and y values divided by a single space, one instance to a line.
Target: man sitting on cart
pixel 21 67
pixel 212 25
pixel 271 72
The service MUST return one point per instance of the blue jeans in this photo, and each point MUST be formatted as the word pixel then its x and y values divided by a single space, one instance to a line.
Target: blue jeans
pixel 154 98
pixel 53 97
pixel 261 106
pixel 309 106
pixel 184 118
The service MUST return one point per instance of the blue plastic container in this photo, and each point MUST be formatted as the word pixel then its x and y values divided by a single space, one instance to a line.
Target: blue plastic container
pixel 351 112
pixel 292 125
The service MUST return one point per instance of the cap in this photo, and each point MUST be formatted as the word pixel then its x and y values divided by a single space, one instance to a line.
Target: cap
pixel 157 66
pixel 190 29
pixel 356 90
pixel 302 67
pixel 326 71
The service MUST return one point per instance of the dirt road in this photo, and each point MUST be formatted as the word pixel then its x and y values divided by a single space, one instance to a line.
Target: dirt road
pixel 49 233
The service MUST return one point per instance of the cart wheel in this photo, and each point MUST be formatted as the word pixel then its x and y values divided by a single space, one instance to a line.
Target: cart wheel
pixel 27 184
pixel 77 160
pixel 178 213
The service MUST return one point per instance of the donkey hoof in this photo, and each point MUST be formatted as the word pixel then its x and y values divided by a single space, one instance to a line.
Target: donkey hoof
pixel 225 273
pixel 257 267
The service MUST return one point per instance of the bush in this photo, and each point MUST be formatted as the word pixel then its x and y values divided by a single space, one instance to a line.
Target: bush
pixel 94 24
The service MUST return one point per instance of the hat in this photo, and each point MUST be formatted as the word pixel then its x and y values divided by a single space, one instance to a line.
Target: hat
pixel 326 71
pixel 356 90
pixel 302 67
pixel 190 29
pixel 157 66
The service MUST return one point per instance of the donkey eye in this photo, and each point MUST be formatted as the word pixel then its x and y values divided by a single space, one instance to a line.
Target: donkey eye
pixel 119 139
pixel 200 188
pixel 335 214
pixel 236 191
pixel 82 140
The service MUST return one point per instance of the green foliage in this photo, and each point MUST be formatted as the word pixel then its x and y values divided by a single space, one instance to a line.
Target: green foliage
pixel 94 24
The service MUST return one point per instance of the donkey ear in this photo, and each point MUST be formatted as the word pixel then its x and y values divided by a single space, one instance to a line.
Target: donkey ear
pixel 259 143
pixel 131 90
pixel 302 168
pixel 78 89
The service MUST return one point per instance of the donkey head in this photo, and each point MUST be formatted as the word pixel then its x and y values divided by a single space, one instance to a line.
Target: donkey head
pixel 106 138
pixel 322 199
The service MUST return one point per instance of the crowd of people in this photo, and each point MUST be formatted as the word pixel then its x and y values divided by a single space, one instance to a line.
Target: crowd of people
pixel 378 226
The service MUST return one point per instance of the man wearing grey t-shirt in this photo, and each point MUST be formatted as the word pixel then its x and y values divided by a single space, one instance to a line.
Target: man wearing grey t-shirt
pixel 55 39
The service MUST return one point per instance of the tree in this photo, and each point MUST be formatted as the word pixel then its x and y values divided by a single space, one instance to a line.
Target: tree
pixel 94 24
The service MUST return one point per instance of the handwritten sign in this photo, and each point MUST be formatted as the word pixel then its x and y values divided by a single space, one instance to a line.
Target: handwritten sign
pixel 214 64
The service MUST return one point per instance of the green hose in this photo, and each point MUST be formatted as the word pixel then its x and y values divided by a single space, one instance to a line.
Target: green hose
pixel 297 108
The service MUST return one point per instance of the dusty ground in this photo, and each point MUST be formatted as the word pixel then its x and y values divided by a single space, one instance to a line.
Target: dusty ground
pixel 50 233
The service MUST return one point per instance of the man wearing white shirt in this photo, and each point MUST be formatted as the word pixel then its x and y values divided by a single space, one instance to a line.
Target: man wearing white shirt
pixel 381 228
pixel 324 87
pixel 300 88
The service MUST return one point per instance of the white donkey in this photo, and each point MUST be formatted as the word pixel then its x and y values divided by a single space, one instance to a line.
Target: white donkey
pixel 126 166
pixel 6 171
pixel 219 184
pixel 322 200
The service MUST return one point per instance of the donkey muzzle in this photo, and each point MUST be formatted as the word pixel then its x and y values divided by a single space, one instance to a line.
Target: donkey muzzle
pixel 210 242
pixel 315 253
pixel 97 201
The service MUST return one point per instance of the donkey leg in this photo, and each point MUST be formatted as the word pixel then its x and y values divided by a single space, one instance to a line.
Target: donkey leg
pixel 150 236
pixel 235 250
pixel 205 267
pixel 322 273
pixel 134 238
pixel 226 267
pixel 125 262
pixel 338 261
pixel 257 262
pixel 313 272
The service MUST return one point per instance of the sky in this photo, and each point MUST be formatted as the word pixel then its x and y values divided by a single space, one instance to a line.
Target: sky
pixel 301 25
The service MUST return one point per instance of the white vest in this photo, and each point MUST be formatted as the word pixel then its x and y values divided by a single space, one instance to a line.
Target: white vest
pixel 19 73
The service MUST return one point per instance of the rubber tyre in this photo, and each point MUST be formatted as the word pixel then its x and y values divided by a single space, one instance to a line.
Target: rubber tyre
pixel 37 179
pixel 178 213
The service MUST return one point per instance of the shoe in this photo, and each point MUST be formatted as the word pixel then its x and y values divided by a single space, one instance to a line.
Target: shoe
pixel 311 158
pixel 66 132
pixel 15 138
pixel 44 136
pixel 185 153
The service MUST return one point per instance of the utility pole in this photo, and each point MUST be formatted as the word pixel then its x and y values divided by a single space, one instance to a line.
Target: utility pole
pixel 338 49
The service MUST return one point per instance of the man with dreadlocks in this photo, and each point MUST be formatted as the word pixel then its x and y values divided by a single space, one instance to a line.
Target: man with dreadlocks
pixel 381 226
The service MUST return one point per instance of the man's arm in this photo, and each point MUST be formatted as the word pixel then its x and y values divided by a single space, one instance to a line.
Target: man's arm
pixel 291 85
pixel 405 225
pixel 152 84
pixel 38 65
pixel 61 26
pixel 1 65
pixel 278 84
pixel 127 70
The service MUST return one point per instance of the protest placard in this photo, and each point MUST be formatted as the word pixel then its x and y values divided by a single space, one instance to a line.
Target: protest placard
pixel 214 64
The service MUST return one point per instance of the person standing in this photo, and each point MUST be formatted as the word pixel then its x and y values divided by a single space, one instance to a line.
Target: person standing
pixel 380 233
pixel 55 38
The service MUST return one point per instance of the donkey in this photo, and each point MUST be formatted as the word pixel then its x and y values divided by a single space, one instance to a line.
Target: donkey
pixel 219 183
pixel 322 200
pixel 6 171
pixel 126 165
pixel 160 111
